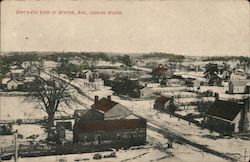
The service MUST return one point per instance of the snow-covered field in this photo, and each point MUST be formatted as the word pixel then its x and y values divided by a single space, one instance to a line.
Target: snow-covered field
pixel 26 131
pixel 15 107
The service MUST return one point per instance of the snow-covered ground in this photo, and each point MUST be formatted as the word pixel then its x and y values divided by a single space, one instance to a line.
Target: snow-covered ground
pixel 230 146
pixel 26 131
pixel 15 107
pixel 155 150
pixel 106 63
pixel 233 147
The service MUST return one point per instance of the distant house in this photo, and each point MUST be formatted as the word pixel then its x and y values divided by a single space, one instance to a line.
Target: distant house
pixel 14 84
pixel 17 84
pixel 146 92
pixel 238 86
pixel 108 123
pixel 202 81
pixel 87 74
pixel 228 117
pixel 17 73
pixel 164 103
pixel 174 82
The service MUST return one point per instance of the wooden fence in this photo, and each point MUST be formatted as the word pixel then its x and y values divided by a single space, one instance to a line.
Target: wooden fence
pixel 34 121
pixel 46 150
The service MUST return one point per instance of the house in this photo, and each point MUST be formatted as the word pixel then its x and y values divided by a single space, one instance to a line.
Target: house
pixel 14 84
pixel 17 73
pixel 17 84
pixel 87 74
pixel 108 123
pixel 172 83
pixel 228 117
pixel 146 92
pixel 202 81
pixel 164 103
pixel 238 86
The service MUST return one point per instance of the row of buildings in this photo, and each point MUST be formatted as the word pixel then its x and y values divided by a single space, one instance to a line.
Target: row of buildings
pixel 224 116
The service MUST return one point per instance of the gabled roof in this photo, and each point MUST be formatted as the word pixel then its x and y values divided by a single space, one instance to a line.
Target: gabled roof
pixel 117 112
pixel 162 99
pixel 104 104
pixel 16 81
pixel 5 80
pixel 225 109
pixel 240 82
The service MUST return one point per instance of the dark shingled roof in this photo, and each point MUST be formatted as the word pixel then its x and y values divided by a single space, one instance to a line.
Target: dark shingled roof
pixel 162 99
pixel 225 109
pixel 104 104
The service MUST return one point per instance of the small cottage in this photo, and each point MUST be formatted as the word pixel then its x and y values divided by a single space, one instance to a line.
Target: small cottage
pixel 14 84
pixel 164 103
pixel 238 86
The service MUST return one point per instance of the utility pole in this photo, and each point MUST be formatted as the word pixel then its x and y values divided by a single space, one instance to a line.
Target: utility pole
pixel 16 149
pixel 1 154
pixel 245 154
pixel 0 107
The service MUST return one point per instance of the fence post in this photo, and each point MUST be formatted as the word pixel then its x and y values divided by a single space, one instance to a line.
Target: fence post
pixel 1 154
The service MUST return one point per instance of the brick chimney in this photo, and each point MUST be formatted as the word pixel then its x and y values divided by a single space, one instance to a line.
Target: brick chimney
pixel 96 99
pixel 109 97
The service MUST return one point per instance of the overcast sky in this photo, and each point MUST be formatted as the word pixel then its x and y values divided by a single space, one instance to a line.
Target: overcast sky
pixel 188 27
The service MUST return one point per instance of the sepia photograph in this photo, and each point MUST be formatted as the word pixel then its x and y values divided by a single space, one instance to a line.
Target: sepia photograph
pixel 125 81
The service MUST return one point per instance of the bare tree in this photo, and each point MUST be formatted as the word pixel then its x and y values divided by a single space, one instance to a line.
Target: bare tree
pixel 48 92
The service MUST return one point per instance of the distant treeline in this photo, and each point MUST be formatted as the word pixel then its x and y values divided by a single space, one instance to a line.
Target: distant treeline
pixel 169 56
pixel 19 57
pixel 36 56
pixel 227 58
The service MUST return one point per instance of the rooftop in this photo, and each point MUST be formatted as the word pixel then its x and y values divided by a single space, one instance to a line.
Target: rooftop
pixel 162 99
pixel 225 109
pixel 104 104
